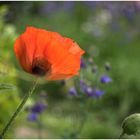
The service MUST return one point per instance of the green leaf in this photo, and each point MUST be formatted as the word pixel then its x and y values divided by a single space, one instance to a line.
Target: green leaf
pixel 4 86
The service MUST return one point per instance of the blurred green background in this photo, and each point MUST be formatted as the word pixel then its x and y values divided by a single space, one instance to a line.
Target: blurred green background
pixel 109 32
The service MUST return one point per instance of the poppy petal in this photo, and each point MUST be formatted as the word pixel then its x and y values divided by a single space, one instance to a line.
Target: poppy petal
pixel 19 49
pixel 73 47
pixel 29 38
pixel 24 48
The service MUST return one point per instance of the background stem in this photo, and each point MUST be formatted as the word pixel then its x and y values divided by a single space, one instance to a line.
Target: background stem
pixel 39 127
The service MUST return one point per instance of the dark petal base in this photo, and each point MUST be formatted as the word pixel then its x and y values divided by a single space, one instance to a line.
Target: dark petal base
pixel 38 71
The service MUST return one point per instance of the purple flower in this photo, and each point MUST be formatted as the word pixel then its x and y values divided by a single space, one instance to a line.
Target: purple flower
pixel 38 108
pixel 72 91
pixel 89 92
pixel 83 64
pixel 83 86
pixel 32 117
pixel 98 93
pixel 105 79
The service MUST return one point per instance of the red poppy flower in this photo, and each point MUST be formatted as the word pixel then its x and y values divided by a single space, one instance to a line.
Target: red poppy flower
pixel 44 53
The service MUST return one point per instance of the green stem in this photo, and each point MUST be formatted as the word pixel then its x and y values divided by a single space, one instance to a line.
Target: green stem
pixel 18 110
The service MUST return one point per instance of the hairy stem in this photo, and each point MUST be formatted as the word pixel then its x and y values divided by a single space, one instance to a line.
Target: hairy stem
pixel 18 110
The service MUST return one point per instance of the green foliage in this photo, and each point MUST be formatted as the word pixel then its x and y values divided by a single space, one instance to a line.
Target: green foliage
pixel 6 86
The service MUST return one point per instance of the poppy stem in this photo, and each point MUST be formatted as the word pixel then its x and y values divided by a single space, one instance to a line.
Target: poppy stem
pixel 18 109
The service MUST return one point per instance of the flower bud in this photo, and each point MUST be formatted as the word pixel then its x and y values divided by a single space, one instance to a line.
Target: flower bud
pixel 107 66
pixel 131 124
pixel 94 69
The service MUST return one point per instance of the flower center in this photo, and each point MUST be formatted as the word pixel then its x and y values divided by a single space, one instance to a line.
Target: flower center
pixel 40 66
pixel 38 71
